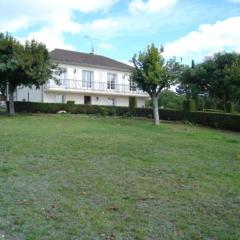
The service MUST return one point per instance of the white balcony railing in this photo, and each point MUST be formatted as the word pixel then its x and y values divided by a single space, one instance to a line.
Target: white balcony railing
pixel 79 85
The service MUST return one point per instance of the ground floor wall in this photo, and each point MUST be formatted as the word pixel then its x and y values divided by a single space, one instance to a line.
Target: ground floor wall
pixel 39 95
pixel 24 94
pixel 93 99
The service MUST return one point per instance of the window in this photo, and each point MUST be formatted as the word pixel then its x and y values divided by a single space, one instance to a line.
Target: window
pixel 63 77
pixel 60 98
pixel 132 85
pixel 111 81
pixel 87 78
pixel 111 101
pixel 87 100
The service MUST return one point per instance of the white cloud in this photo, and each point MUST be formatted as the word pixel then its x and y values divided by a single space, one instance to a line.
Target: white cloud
pixel 223 35
pixel 13 25
pixel 122 26
pixel 55 16
pixel 150 6
pixel 51 36
pixel 104 27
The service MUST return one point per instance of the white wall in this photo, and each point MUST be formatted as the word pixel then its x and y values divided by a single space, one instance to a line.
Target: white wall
pixel 100 75
pixel 141 102
pixel 51 97
pixel 75 73
pixel 95 99
pixel 28 94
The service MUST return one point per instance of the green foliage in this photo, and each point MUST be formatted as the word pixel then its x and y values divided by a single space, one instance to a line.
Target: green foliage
pixel 152 73
pixel 237 107
pixel 26 65
pixel 186 87
pixel 30 62
pixel 112 111
pixel 11 62
pixel 200 102
pixel 230 107
pixel 71 102
pixel 132 105
pixel 189 105
pixel 170 100
pixel 210 103
pixel 217 76
pixel 218 120
pixel 103 111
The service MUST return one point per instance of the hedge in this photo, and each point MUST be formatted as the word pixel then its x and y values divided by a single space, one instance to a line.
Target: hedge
pixel 216 120
pixel 189 105
pixel 132 105
pixel 212 119
pixel 230 107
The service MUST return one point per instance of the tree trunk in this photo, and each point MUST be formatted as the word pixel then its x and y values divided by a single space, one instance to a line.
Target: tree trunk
pixel 155 109
pixel 11 103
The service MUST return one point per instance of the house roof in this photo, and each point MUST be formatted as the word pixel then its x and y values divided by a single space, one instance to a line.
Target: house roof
pixel 87 59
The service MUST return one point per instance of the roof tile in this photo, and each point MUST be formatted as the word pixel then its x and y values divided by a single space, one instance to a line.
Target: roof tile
pixel 79 58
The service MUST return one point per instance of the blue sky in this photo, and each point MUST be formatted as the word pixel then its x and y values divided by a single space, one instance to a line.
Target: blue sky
pixel 119 28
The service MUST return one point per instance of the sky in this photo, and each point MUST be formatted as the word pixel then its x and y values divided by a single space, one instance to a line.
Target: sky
pixel 188 29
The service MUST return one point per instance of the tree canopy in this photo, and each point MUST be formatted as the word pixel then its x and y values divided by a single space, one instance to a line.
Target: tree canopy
pixel 217 76
pixel 152 73
pixel 26 65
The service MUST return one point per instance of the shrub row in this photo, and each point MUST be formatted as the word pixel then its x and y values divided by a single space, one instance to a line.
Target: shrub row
pixel 217 120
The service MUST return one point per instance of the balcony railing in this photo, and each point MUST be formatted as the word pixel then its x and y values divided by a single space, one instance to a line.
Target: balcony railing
pixel 80 85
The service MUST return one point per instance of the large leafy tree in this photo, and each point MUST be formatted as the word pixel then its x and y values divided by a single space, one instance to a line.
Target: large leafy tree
pixel 186 87
pixel 217 76
pixel 152 74
pixel 26 65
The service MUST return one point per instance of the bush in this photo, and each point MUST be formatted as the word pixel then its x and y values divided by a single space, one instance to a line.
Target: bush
pixel 216 120
pixel 171 115
pixel 104 111
pixel 112 111
pixel 210 103
pixel 189 105
pixel 230 107
pixel 200 103
pixel 70 102
pixel 132 105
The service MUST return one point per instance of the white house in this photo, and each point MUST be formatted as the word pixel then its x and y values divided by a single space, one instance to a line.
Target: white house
pixel 87 79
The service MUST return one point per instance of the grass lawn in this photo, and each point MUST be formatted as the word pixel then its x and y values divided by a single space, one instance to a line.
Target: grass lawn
pixel 77 177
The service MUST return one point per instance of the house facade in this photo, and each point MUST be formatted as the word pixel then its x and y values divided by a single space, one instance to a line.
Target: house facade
pixel 86 79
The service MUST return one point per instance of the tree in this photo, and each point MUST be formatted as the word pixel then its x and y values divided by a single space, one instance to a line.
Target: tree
pixel 152 74
pixel 217 76
pixel 186 87
pixel 26 65
pixel 171 100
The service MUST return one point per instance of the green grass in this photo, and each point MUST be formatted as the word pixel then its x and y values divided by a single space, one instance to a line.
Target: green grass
pixel 75 177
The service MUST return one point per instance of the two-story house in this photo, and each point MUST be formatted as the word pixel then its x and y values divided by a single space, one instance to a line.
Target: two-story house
pixel 86 79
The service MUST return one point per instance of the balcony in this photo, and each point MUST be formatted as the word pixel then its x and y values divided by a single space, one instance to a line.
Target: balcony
pixel 79 86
